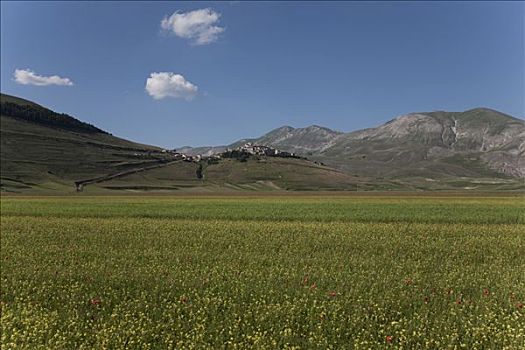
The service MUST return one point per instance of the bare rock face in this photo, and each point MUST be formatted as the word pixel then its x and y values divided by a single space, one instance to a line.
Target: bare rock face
pixel 475 143
pixel 305 141
pixel 403 126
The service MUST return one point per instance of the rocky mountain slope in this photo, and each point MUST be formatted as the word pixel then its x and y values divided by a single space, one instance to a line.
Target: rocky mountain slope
pixel 475 143
pixel 478 143
pixel 312 139
pixel 304 141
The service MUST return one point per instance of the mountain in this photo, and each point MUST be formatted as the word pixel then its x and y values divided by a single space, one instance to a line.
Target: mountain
pixel 304 141
pixel 47 152
pixel 476 143
pixel 470 149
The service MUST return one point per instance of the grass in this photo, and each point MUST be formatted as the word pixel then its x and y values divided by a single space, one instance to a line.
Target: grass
pixel 43 158
pixel 263 272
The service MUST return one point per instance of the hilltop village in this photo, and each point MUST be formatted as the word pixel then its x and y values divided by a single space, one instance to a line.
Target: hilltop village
pixel 242 153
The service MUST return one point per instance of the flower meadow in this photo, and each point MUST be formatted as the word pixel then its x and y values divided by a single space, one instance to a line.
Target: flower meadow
pixel 267 272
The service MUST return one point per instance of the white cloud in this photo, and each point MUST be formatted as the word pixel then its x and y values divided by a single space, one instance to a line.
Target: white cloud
pixel 28 77
pixel 201 26
pixel 168 84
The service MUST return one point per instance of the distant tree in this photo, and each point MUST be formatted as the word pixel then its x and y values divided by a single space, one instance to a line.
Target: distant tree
pixel 199 172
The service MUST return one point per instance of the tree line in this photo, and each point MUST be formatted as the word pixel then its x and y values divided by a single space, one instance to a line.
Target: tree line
pixel 44 116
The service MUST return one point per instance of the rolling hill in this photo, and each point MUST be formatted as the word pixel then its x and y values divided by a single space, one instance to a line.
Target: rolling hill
pixel 44 151
pixel 41 149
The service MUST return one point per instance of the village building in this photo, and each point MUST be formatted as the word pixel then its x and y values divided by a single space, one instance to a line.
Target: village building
pixel 260 150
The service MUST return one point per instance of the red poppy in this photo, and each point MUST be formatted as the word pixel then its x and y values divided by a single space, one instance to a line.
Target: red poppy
pixel 305 280
pixel 313 286
pixel 458 302
pixel 486 292
pixel 95 301
pixel 519 305
pixel 332 294
pixel 389 338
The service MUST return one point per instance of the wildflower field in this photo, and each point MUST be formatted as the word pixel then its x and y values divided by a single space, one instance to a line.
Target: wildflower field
pixel 297 272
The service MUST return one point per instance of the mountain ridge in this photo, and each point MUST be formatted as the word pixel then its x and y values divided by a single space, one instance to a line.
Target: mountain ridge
pixel 483 135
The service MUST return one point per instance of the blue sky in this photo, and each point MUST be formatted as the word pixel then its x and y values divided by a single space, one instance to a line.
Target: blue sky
pixel 261 65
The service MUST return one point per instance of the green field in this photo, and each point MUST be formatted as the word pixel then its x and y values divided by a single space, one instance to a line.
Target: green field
pixel 271 271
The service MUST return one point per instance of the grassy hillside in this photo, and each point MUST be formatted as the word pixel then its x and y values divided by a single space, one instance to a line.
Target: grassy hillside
pixel 17 100
pixel 255 174
pixel 21 110
pixel 32 154
pixel 42 156
pixel 44 153
pixel 39 158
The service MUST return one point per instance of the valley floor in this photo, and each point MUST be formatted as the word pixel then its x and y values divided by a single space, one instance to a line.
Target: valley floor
pixel 263 271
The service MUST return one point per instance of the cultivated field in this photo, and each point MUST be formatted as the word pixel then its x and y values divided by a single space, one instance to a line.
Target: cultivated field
pixel 308 272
